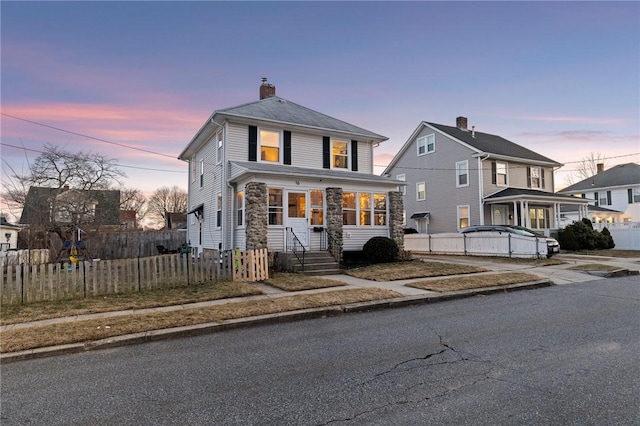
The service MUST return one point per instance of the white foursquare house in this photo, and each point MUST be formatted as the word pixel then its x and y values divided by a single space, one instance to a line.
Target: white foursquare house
pixel 271 171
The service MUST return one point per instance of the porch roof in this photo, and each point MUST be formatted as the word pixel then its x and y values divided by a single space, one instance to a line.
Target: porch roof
pixel 522 194
pixel 245 168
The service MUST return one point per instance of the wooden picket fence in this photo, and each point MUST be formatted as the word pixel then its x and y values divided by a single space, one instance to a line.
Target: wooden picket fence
pixel 54 281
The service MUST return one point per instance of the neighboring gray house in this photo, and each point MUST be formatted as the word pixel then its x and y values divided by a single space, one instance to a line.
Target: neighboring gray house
pixel 614 193
pixel 456 177
pixel 270 172
pixel 64 206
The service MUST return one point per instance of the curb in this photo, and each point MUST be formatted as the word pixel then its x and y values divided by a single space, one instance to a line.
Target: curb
pixel 312 313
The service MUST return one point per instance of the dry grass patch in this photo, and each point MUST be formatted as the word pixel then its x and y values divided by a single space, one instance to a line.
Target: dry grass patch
pixel 298 282
pixel 594 267
pixel 609 253
pixel 476 281
pixel 96 329
pixel 11 314
pixel 413 269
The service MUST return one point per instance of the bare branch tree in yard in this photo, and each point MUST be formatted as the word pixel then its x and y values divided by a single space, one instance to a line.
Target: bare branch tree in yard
pixel 133 200
pixel 167 200
pixel 64 188
pixel 586 168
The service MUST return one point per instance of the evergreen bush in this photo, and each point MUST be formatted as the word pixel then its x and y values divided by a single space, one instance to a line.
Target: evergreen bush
pixel 581 236
pixel 381 250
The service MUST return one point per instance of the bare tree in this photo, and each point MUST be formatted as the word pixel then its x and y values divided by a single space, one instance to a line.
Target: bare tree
pixel 586 168
pixel 167 200
pixel 132 199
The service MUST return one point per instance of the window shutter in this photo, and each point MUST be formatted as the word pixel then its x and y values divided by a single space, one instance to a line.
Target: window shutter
pixel 287 147
pixel 494 177
pixel 608 198
pixel 528 177
pixel 354 155
pixel 630 195
pixel 542 176
pixel 326 152
pixel 253 143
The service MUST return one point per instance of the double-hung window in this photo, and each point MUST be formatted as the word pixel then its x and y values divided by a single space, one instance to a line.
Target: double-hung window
pixel 535 177
pixel 201 173
pixel 421 193
pixel 275 206
pixel 219 211
pixel 462 173
pixel 426 144
pixel 194 169
pixel 349 208
pixel 463 216
pixel 633 195
pixel 369 210
pixel 240 208
pixel 317 206
pixel 340 154
pixel 365 209
pixel 380 209
pixel 402 188
pixel 501 174
pixel 220 143
pixel 269 146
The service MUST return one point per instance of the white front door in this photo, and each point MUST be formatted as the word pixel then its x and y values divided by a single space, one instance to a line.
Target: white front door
pixel 499 215
pixel 297 216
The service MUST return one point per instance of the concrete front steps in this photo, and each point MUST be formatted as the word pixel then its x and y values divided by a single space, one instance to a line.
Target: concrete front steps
pixel 315 263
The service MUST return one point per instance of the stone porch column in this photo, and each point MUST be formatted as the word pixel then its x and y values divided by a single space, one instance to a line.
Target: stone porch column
pixel 396 229
pixel 256 215
pixel 334 216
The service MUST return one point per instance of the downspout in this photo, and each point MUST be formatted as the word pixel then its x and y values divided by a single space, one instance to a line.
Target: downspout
pixel 224 187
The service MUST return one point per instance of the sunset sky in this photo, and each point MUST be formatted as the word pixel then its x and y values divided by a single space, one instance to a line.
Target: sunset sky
pixel 560 78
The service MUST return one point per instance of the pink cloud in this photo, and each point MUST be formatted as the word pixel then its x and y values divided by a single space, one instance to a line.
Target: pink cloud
pixel 572 119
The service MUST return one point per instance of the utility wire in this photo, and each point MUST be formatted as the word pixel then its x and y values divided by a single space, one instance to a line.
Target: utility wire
pixel 87 136
pixel 119 165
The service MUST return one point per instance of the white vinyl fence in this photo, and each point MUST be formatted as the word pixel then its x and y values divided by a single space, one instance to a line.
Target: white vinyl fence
pixel 29 257
pixel 626 235
pixel 477 244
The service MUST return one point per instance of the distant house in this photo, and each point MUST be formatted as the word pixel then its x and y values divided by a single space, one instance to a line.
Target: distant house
pixel 64 206
pixel 8 235
pixel 272 173
pixel 613 193
pixel 456 177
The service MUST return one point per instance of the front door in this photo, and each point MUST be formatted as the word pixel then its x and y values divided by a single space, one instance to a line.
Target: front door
pixel 297 216
pixel 499 215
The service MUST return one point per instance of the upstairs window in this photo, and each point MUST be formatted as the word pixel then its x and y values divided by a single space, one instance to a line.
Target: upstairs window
pixel 535 177
pixel 633 195
pixel 340 154
pixel 194 168
pixel 426 144
pixel 499 173
pixel 220 143
pixel 462 173
pixel 605 199
pixel 269 146
pixel 201 173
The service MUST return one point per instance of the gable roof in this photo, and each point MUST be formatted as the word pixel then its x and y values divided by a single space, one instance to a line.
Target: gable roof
pixel 622 174
pixel 36 210
pixel 280 111
pixel 482 143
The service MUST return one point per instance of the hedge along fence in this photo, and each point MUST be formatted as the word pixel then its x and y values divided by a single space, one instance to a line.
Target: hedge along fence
pixel 32 283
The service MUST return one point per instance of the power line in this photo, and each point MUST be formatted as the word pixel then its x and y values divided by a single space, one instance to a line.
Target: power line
pixel 119 165
pixel 87 136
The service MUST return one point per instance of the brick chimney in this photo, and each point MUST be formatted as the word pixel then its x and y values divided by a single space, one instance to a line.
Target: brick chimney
pixel 267 90
pixel 600 167
pixel 461 123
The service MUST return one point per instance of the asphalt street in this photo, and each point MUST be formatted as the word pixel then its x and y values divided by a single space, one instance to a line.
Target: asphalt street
pixel 556 355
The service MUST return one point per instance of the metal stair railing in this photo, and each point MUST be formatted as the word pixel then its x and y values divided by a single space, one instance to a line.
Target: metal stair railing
pixel 294 245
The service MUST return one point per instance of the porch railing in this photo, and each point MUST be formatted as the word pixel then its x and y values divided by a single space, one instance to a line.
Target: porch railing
pixel 295 246
pixel 329 243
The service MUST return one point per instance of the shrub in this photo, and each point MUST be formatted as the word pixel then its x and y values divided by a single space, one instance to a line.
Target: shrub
pixel 587 222
pixel 380 250
pixel 582 236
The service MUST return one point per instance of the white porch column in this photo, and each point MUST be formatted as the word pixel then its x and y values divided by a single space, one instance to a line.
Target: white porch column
pixel 525 213
pixel 515 213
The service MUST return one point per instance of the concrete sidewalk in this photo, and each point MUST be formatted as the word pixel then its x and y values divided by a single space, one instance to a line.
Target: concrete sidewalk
pixel 550 275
